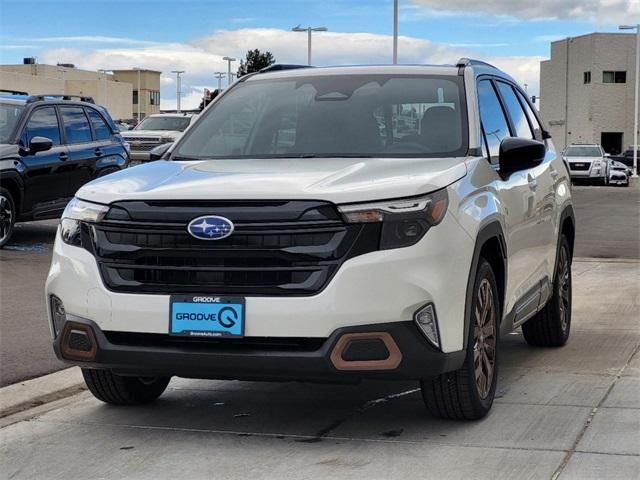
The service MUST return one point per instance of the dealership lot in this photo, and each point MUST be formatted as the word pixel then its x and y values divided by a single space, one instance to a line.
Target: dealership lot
pixel 573 411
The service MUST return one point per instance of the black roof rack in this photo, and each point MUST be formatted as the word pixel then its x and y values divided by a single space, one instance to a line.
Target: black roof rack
pixel 283 66
pixel 468 62
pixel 46 96
pixel 13 92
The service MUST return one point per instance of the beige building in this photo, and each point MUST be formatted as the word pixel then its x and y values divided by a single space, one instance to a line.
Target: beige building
pixel 587 90
pixel 105 88
pixel 146 90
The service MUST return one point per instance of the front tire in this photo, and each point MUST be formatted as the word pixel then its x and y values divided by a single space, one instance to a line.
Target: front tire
pixel 468 393
pixel 550 327
pixel 7 216
pixel 121 390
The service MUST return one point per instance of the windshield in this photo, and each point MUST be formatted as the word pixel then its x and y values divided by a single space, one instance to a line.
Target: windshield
pixel 583 152
pixel 9 115
pixel 340 115
pixel 164 123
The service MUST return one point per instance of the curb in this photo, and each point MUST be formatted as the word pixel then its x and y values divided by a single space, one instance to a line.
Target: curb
pixel 33 393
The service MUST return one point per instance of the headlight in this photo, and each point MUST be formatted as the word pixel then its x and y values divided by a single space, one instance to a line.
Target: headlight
pixel 404 222
pixel 597 164
pixel 77 212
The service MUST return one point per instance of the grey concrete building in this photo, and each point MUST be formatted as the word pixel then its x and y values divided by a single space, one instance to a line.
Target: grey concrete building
pixel 587 90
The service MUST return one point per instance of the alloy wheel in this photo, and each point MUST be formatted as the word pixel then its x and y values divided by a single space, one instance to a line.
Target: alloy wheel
pixel 6 218
pixel 485 338
pixel 564 289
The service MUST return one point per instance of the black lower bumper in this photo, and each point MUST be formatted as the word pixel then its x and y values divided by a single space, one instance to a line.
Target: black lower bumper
pixel 162 355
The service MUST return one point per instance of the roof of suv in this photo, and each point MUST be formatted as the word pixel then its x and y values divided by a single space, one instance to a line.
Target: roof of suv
pixel 24 99
pixel 293 71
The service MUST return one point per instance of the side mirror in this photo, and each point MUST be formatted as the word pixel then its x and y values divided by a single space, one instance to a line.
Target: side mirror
pixel 40 144
pixel 607 154
pixel 158 152
pixel 519 154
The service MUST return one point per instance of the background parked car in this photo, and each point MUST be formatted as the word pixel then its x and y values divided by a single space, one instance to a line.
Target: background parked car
pixel 155 130
pixel 619 173
pixel 626 158
pixel 587 162
pixel 49 147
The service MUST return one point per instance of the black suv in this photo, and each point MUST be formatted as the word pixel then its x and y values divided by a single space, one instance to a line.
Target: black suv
pixel 51 145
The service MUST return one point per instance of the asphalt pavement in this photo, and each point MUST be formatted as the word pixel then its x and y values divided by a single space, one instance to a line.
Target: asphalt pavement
pixel 608 227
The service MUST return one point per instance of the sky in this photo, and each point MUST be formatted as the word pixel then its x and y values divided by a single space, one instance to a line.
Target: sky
pixel 194 35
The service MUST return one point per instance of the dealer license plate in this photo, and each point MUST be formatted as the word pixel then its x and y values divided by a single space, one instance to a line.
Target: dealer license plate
pixel 206 316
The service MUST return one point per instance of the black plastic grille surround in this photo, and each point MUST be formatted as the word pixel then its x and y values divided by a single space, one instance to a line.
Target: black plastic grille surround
pixel 277 247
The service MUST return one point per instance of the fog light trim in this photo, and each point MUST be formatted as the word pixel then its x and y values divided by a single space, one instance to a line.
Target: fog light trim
pixel 70 353
pixel 427 321
pixel 389 363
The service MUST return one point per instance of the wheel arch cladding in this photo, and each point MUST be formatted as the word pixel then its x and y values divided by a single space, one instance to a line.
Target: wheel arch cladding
pixel 491 246
pixel 568 226
pixel 14 189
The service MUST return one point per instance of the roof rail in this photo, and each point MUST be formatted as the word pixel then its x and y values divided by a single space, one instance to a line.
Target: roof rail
pixel 468 62
pixel 61 96
pixel 13 92
pixel 282 66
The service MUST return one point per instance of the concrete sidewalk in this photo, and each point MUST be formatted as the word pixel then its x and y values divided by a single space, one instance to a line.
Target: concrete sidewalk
pixel 572 412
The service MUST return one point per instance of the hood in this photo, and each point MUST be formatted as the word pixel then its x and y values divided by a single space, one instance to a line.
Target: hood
pixel 8 150
pixel 130 134
pixel 338 180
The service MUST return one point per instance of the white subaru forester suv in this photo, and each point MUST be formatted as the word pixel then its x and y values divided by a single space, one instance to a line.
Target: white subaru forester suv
pixel 325 224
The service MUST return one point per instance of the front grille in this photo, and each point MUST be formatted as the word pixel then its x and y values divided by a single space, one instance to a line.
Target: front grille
pixel 579 166
pixel 144 147
pixel 288 248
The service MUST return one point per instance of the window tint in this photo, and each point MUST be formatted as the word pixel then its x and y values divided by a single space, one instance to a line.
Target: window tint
pixel 493 120
pixel 43 123
pixel 518 117
pixel 343 115
pixel 76 125
pixel 537 128
pixel 100 129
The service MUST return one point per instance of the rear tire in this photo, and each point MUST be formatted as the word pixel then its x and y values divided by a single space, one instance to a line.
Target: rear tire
pixel 550 327
pixel 7 216
pixel 467 393
pixel 121 390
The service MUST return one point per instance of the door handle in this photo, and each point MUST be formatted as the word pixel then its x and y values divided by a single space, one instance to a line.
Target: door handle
pixel 533 183
pixel 98 152
pixel 63 157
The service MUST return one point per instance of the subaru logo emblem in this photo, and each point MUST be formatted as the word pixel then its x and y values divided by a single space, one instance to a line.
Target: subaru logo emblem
pixel 210 227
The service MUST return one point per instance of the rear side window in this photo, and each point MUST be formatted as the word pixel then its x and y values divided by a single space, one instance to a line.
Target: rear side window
pixel 43 123
pixel 492 117
pixel 537 128
pixel 518 117
pixel 76 125
pixel 100 129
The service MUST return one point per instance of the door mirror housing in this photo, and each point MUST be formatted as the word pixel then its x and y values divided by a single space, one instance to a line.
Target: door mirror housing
pixel 607 154
pixel 520 154
pixel 40 144
pixel 158 152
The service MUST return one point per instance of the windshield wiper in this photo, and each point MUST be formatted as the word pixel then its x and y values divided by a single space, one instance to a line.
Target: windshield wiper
pixel 181 157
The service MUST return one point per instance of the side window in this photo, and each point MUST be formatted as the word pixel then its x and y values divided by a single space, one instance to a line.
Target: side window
pixel 537 128
pixel 42 123
pixel 518 117
pixel 493 120
pixel 100 129
pixel 76 126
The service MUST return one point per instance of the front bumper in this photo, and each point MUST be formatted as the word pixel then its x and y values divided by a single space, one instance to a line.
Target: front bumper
pixel 160 355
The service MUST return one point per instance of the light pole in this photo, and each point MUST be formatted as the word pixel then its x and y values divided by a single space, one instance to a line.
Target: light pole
pixel 178 87
pixel 229 60
pixel 395 32
pixel 309 30
pixel 635 98
pixel 219 76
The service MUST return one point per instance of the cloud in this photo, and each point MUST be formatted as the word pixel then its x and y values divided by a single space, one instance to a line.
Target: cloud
pixel 201 57
pixel 598 11
pixel 94 39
